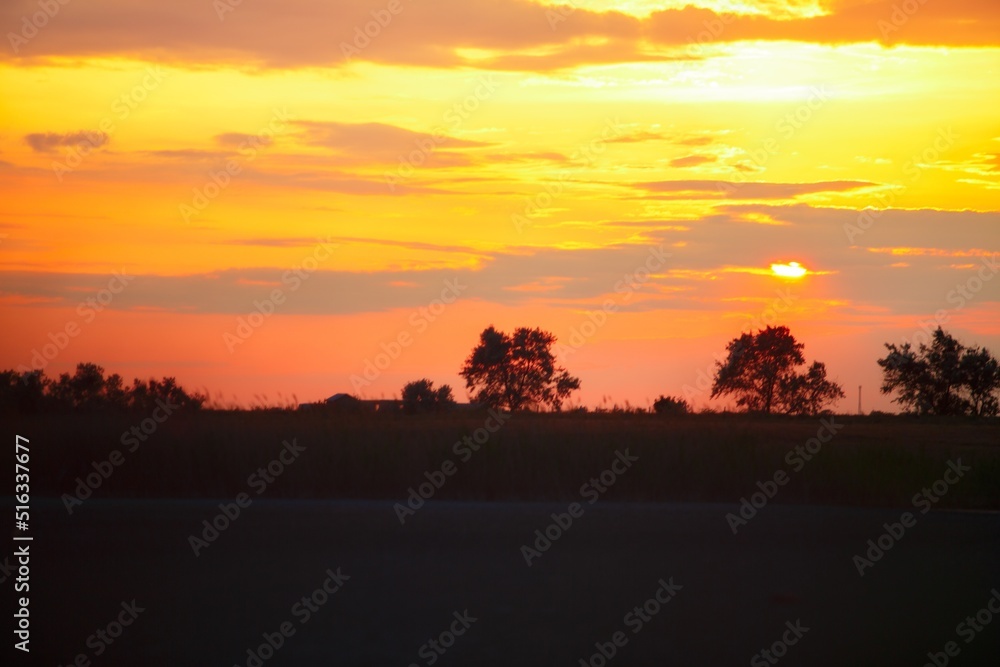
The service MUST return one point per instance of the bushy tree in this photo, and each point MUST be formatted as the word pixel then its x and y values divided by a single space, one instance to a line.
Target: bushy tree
pixel 23 392
pixel 668 405
pixel 517 371
pixel 145 396
pixel 943 378
pixel 88 390
pixel 981 379
pixel 421 396
pixel 809 392
pixel 760 372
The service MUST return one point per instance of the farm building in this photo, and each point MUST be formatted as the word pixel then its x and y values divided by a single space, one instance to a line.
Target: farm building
pixel 347 403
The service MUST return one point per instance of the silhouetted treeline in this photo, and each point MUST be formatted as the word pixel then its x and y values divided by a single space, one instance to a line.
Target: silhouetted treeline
pixel 88 390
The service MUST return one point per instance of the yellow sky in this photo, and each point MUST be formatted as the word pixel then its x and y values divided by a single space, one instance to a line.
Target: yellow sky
pixel 540 164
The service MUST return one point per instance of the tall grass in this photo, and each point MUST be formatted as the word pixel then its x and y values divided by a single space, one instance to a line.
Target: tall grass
pixel 875 461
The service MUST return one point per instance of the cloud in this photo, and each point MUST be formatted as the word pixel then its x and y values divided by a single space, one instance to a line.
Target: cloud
pixel 643 136
pixel 698 189
pixel 377 137
pixel 713 260
pixel 954 23
pixel 505 34
pixel 639 137
pixel 692 160
pixel 304 242
pixel 531 156
pixel 381 143
pixel 48 142
pixel 187 154
pixel 934 252
pixel 239 139
pixel 696 141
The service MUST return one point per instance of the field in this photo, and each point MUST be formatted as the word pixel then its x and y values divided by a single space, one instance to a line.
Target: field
pixel 217 523
pixel 865 461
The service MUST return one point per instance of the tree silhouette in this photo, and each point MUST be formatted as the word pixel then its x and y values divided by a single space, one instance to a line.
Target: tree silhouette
pixel 518 371
pixel 981 377
pixel 668 405
pixel 24 393
pixel 760 373
pixel 806 394
pixel 943 378
pixel 421 396
pixel 87 390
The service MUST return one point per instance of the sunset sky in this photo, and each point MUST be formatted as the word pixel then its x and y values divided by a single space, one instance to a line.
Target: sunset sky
pixel 623 174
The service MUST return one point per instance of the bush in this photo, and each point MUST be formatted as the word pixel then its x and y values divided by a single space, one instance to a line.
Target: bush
pixel 668 405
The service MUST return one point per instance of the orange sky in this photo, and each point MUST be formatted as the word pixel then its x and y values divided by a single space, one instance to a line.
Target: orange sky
pixel 623 174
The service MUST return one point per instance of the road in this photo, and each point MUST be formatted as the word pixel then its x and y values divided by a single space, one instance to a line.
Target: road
pixel 732 595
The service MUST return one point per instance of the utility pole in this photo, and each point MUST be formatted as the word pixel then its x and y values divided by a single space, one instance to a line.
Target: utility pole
pixel 859 399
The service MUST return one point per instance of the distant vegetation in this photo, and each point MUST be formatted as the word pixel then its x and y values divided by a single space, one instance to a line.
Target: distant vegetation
pixel 760 373
pixel 421 396
pixel 879 460
pixel 943 378
pixel 668 405
pixel 519 372
pixel 88 390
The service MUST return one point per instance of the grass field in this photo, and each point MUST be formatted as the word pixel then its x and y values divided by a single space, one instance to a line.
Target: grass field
pixel 334 504
pixel 870 461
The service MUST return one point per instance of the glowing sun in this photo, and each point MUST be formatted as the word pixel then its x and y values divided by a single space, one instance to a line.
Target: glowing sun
pixel 790 270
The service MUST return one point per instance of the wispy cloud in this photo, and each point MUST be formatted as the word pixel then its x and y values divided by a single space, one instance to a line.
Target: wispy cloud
pixel 49 142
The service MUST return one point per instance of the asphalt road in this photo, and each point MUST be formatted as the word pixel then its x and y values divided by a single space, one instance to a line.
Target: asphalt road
pixel 729 596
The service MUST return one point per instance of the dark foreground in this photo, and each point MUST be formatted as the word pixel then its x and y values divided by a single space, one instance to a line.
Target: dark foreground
pixel 790 564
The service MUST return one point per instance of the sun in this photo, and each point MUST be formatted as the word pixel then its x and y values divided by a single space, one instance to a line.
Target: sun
pixel 790 270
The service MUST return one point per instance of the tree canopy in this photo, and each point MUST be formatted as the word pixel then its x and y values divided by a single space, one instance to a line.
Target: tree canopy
pixel 421 396
pixel 88 390
pixel 943 378
pixel 517 371
pixel 760 372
